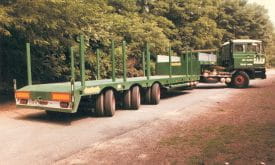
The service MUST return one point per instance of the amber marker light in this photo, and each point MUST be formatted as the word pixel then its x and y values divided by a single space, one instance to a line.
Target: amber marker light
pixel 64 97
pixel 22 95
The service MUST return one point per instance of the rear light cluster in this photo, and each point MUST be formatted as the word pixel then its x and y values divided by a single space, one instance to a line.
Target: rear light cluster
pixel 64 99
pixel 23 97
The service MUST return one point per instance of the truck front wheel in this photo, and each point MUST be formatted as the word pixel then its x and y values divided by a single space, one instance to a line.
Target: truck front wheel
pixel 240 80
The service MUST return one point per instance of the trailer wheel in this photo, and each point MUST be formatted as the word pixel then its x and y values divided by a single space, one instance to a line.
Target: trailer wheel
pixel 155 94
pixel 99 109
pixel 127 99
pixel 109 103
pixel 241 80
pixel 148 96
pixel 135 98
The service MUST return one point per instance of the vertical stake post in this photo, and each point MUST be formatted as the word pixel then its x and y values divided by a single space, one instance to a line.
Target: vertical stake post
pixel 29 71
pixel 143 63
pixel 72 74
pixel 14 85
pixel 191 61
pixel 97 64
pixel 124 61
pixel 187 62
pixel 82 61
pixel 170 62
pixel 148 61
pixel 113 62
pixel 72 64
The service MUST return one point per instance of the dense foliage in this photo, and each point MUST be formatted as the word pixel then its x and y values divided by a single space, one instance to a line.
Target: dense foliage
pixel 52 26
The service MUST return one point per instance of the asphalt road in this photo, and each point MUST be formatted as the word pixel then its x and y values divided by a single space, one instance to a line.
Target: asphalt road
pixel 31 137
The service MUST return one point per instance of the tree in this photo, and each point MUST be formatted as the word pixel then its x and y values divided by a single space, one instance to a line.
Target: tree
pixel 53 26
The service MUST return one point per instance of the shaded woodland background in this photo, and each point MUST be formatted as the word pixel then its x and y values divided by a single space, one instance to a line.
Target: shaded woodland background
pixel 51 26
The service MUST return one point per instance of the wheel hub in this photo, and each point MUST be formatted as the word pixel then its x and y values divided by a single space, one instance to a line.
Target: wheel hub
pixel 239 80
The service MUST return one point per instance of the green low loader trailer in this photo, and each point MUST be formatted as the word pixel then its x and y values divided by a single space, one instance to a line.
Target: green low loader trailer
pixel 102 96
pixel 236 63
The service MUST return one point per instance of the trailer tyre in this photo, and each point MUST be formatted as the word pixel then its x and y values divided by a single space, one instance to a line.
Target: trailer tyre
pixel 135 97
pixel 109 103
pixel 100 105
pixel 155 94
pixel 148 96
pixel 127 99
pixel 241 80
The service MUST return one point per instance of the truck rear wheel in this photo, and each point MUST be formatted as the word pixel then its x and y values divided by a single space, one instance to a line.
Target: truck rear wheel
pixel 127 99
pixel 240 80
pixel 135 97
pixel 109 103
pixel 99 109
pixel 155 94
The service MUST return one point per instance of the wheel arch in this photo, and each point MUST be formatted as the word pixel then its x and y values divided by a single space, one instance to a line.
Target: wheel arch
pixel 108 88
pixel 249 72
pixel 157 82
pixel 136 84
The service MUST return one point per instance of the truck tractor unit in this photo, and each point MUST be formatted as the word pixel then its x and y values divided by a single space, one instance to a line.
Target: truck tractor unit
pixel 236 63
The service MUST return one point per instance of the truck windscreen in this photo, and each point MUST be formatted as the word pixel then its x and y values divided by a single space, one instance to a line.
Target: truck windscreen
pixel 253 47
pixel 248 48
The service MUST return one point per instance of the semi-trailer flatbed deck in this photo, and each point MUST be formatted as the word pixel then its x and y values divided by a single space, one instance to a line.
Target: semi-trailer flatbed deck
pixel 66 97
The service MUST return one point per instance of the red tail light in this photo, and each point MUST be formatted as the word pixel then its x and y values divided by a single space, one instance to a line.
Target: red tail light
pixel 64 104
pixel 23 101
